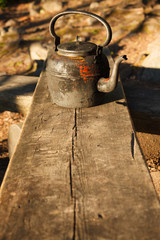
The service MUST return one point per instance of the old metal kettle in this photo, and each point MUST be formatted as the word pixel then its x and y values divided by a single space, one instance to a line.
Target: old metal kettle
pixel 78 73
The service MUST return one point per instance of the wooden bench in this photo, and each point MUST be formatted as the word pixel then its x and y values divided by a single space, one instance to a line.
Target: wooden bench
pixel 78 174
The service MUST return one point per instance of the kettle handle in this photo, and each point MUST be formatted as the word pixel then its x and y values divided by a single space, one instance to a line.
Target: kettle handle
pixel 103 21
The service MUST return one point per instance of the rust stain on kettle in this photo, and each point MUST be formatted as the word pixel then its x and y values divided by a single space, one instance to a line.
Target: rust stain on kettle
pixel 87 70
pixel 86 73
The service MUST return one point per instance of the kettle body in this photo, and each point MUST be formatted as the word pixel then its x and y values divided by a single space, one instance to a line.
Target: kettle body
pixel 74 69
pixel 72 81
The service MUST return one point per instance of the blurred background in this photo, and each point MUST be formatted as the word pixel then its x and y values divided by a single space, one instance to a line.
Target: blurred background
pixel 25 41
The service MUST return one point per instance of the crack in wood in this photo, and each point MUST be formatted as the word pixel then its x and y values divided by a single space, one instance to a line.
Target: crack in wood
pixel 75 123
pixel 73 147
pixel 74 221
pixel 132 144
pixel 74 137
pixel 70 176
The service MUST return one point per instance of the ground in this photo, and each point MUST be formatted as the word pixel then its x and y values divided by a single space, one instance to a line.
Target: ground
pixel 130 40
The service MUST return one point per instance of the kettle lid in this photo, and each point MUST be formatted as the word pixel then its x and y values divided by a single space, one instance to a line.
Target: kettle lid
pixel 77 49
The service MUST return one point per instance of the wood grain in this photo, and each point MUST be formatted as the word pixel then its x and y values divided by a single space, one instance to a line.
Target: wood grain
pixel 78 174
pixel 113 192
pixel 35 197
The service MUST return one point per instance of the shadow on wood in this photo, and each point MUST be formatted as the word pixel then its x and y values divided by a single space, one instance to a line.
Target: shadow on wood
pixel 16 92
pixel 143 97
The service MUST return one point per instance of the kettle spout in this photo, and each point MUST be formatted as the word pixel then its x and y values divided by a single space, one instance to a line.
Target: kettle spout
pixel 109 84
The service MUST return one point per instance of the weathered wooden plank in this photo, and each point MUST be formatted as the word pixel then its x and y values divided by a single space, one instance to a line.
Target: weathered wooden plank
pixel 36 200
pixel 113 193
pixel 78 174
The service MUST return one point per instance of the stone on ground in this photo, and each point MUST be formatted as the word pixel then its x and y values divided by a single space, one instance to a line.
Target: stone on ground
pixel 151 64
pixel 37 51
pixel 52 6
pixel 11 22
pixel 13 137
